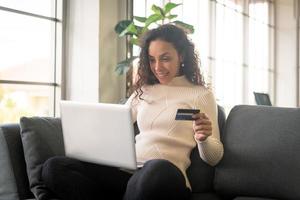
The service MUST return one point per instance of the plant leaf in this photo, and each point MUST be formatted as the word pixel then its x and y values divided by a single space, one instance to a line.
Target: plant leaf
pixel 187 27
pixel 140 19
pixel 169 6
pixel 172 16
pixel 139 30
pixel 122 25
pixel 158 10
pixel 134 41
pixel 153 18
pixel 130 30
pixel 144 30
pixel 123 66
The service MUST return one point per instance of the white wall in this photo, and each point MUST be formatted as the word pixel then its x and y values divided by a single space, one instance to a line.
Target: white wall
pixel 82 50
pixel 285 54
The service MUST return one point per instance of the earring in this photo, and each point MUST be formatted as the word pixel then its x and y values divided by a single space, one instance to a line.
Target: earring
pixel 182 65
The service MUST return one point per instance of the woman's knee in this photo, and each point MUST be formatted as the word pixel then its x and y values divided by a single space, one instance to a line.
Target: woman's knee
pixel 158 179
pixel 54 164
pixel 162 172
pixel 55 168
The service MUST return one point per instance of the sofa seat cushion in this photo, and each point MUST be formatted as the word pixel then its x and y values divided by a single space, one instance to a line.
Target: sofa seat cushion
pixel 261 153
pixel 42 139
pixel 206 196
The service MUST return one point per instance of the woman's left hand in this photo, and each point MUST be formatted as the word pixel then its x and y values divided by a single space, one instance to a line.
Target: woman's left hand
pixel 202 126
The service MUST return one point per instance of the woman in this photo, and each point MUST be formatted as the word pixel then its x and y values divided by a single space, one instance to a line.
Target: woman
pixel 169 79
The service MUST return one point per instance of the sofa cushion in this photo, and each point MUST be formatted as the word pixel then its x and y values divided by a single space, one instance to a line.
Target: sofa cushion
pixel 11 133
pixel 8 187
pixel 42 138
pixel 261 153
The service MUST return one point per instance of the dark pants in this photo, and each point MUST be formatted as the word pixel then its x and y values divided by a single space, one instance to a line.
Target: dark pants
pixel 71 179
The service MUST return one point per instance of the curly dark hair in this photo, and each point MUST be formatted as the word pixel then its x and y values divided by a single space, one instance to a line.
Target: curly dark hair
pixel 184 47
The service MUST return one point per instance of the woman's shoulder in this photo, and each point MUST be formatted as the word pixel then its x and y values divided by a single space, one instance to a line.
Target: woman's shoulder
pixel 202 89
pixel 205 92
pixel 140 94
pixel 132 100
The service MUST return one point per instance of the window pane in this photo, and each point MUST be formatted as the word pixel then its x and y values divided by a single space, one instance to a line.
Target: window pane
pixel 139 8
pixel 259 10
pixel 25 100
pixel 229 56
pixel 27 47
pixel 45 7
pixel 179 9
pixel 202 34
pixel 229 35
pixel 232 4
pixel 56 104
pixel 258 50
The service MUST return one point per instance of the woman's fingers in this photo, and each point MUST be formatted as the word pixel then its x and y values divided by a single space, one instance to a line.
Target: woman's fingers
pixel 202 126
pixel 200 137
pixel 202 122
pixel 200 116
pixel 204 132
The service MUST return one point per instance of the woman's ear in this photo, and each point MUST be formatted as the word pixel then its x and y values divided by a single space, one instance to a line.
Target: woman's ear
pixel 181 59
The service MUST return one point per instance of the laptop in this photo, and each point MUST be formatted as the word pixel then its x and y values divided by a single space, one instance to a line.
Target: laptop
pixel 262 99
pixel 99 133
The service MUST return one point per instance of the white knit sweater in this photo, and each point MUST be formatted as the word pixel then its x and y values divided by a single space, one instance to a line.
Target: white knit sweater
pixel 161 136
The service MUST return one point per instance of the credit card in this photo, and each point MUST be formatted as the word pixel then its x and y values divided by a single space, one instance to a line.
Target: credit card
pixel 186 114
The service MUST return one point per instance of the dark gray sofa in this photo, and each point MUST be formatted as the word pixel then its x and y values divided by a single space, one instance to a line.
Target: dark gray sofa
pixel 260 162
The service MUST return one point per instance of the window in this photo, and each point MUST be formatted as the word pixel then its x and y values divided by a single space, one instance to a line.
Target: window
pixel 244 50
pixel 234 39
pixel 229 53
pixel 30 64
pixel 260 42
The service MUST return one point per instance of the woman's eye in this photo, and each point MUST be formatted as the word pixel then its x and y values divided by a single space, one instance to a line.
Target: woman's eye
pixel 151 60
pixel 165 59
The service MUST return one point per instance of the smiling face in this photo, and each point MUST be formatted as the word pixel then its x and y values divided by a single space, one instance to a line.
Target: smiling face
pixel 164 60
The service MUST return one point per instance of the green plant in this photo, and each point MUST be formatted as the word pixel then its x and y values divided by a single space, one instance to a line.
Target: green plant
pixel 136 27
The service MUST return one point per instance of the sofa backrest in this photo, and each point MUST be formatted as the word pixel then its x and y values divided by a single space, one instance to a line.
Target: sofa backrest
pixel 14 182
pixel 261 153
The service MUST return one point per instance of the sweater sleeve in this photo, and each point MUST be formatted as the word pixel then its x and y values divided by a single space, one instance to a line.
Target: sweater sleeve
pixel 211 150
pixel 132 103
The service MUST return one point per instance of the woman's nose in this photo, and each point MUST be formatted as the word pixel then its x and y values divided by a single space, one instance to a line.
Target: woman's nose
pixel 158 65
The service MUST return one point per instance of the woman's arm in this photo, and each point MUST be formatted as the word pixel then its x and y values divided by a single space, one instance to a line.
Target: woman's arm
pixel 206 130
pixel 132 103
